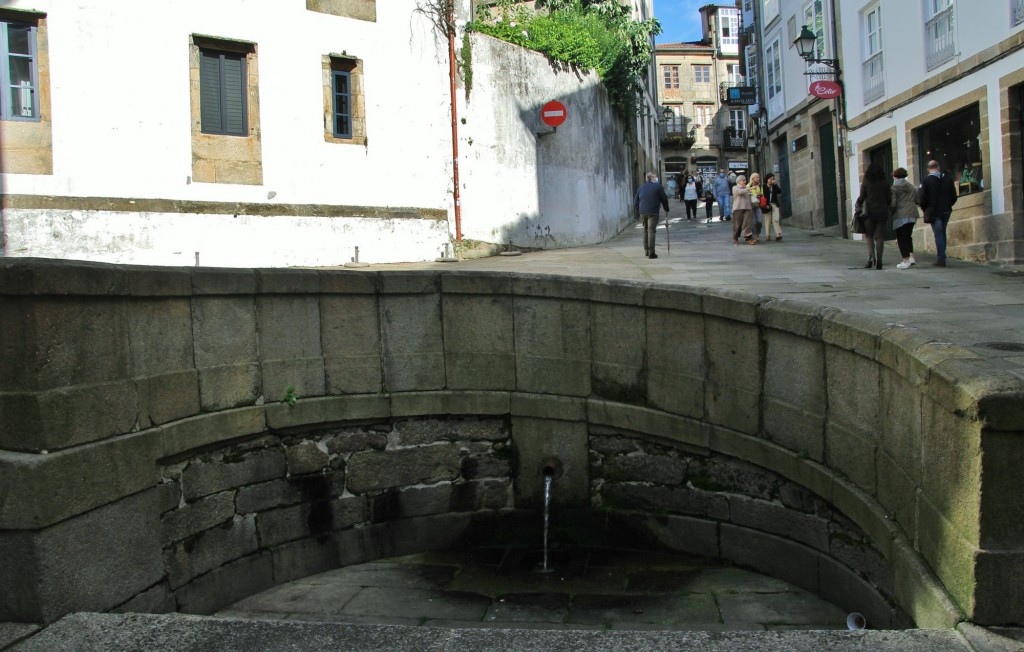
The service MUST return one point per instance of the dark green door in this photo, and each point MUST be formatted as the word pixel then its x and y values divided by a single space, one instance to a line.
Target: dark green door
pixel 829 187
pixel 783 178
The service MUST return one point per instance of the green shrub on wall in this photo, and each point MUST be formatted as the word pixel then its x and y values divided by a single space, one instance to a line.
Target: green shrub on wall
pixel 597 34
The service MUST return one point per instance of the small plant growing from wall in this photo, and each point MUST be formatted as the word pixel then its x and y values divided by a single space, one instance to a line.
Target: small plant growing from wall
pixel 290 396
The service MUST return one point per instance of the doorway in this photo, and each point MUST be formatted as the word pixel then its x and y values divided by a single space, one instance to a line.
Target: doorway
pixel 829 187
pixel 783 177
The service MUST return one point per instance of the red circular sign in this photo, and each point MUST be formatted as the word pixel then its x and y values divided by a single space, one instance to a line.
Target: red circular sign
pixel 828 90
pixel 553 113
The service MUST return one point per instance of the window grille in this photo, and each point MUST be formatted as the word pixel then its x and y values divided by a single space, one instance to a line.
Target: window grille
pixel 940 44
pixel 874 80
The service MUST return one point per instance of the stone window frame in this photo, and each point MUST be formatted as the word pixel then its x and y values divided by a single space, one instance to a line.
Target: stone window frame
pixel 330 63
pixel 226 158
pixel 26 146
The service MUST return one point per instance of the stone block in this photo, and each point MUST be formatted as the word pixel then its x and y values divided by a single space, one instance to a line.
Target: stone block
pixel 850 592
pixel 618 349
pixel 210 549
pixel 676 363
pixel 791 465
pixel 91 562
pixel 411 404
pixel 56 342
pixel 299 559
pixel 919 593
pixel 478 283
pixel 764 516
pixel 194 517
pixel 552 346
pixel 796 318
pixel 45 276
pixel 358 546
pixel 901 421
pixel 664 500
pixel 374 470
pixel 292 523
pixel 310 411
pixel 224 282
pixel 951 468
pixel 60 418
pixel 544 285
pixel 949 553
pixel 1000 587
pixel 724 474
pixel 896 349
pixel 628 293
pixel 350 329
pixel 854 456
pixel 224 330
pixel 289 327
pixel 153 281
pixel 853 388
pixel 160 336
pixel 645 420
pixel 772 555
pixel 673 298
pixel 679 534
pixel 440 532
pixel 267 495
pixel 731 305
pixel 283 378
pixel 413 343
pixel 478 342
pixel 538 440
pixel 349 511
pixel 859 507
pixel 734 379
pixel 857 554
pixel 39 490
pixel 794 393
pixel 305 457
pixel 855 332
pixel 168 496
pixel 154 600
pixel 415 432
pixel 229 386
pixel 201 478
pixel 542 406
pixel 227 584
pixel 1002 408
pixel 347 281
pixel 411 283
pixel 485 465
pixel 350 440
pixel 287 281
pixel 206 429
pixel 653 469
pixel 168 397
pixel 1002 521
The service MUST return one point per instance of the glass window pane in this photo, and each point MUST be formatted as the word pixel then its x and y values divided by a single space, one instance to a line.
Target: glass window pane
pixel 18 39
pixel 21 71
pixel 22 101
pixel 341 125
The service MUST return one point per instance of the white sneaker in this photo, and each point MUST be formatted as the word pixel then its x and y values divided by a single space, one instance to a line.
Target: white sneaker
pixel 904 265
pixel 912 261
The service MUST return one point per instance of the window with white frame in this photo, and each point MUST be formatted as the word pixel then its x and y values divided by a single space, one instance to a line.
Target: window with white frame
pixel 703 114
pixel 814 18
pixel 873 77
pixel 675 123
pixel 939 32
pixel 671 76
pixel 769 10
pixel 735 77
pixel 18 73
pixel 738 120
pixel 702 73
pixel 730 28
pixel 774 99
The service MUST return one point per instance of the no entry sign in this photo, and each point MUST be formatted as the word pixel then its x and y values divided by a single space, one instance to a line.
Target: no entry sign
pixel 553 113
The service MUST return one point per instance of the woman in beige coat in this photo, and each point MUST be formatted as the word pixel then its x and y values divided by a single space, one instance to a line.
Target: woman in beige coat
pixel 742 212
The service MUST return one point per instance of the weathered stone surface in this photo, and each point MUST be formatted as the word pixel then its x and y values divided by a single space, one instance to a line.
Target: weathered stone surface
pixel 647 421
pixel 853 385
pixel 313 411
pixel 618 351
pixel 676 362
pixel 413 432
pixel 352 440
pixel 372 470
pixel 794 393
pixel 479 352
pixel 210 549
pixel 412 342
pixel 949 553
pixel 775 519
pixel 227 584
pixel 772 555
pixel 410 404
pixel 229 386
pixel 672 500
pixel 197 516
pixel 552 344
pixel 223 281
pixel 168 496
pixel 288 281
pixel 350 328
pixel 168 397
pixel 201 478
pixel 897 492
pixel 538 440
pixel 644 468
pixel 160 336
pixel 854 456
pixel 734 375
pixel 613 444
pixel 282 378
pixel 1000 577
pixel 225 330
pixel 918 592
pixel 485 466
pixel 951 468
pixel 303 558
pixel 267 495
pixel 305 457
pixel 93 562
pixel 1002 525
pixel 206 429
pixel 850 592
pixel 154 600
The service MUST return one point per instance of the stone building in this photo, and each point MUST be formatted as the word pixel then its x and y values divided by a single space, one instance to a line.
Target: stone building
pixel 702 133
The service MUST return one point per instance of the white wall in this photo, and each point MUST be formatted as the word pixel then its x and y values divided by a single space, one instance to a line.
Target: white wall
pixel 121 129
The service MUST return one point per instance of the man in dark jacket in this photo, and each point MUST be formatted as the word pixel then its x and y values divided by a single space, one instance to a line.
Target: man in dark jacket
pixel 647 200
pixel 937 196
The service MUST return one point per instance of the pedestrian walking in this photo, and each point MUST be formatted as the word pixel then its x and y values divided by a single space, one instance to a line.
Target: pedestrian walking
pixel 772 209
pixel 937 196
pixel 723 193
pixel 742 211
pixel 756 193
pixel 709 202
pixel 649 198
pixel 903 206
pixel 873 206
pixel 691 192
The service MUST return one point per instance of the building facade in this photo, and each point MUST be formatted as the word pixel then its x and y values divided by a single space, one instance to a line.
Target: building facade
pixel 273 138
pixel 943 80
pixel 702 134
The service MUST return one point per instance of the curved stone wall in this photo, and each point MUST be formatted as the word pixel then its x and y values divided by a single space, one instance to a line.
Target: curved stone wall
pixel 205 428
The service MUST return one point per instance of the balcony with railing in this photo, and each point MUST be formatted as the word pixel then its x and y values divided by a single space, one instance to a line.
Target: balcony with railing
pixel 874 80
pixel 732 81
pixel 940 44
pixel 734 138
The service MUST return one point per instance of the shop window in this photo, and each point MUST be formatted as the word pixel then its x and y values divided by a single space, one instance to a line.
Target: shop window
pixel 955 142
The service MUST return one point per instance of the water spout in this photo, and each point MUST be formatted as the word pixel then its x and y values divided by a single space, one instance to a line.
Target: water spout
pixel 548 479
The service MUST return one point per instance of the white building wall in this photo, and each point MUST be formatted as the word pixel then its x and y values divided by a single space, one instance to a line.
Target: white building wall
pixel 121 129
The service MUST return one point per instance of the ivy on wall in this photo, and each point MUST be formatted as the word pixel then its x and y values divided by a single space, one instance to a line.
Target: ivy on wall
pixel 598 34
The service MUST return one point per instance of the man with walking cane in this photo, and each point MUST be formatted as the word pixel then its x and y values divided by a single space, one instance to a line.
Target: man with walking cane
pixel 649 198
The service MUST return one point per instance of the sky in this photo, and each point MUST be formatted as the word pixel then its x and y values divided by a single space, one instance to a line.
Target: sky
pixel 680 20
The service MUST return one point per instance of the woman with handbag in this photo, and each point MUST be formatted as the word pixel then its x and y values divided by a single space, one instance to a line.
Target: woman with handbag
pixel 873 206
pixel 742 209
pixel 770 206
pixel 756 201
pixel 903 206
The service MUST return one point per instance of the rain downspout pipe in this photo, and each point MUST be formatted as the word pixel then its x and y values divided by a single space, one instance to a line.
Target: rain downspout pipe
pixel 455 122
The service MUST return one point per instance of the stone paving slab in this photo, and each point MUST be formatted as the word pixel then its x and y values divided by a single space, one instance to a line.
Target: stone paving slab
pixel 184 633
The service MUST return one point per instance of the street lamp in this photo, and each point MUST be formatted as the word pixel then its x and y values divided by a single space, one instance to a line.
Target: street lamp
pixel 805 48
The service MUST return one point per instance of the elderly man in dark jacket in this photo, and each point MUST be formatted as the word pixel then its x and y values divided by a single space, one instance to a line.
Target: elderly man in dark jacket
pixel 937 196
pixel 648 198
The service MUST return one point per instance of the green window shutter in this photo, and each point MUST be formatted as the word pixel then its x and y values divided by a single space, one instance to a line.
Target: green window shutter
pixel 233 68
pixel 222 101
pixel 209 92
